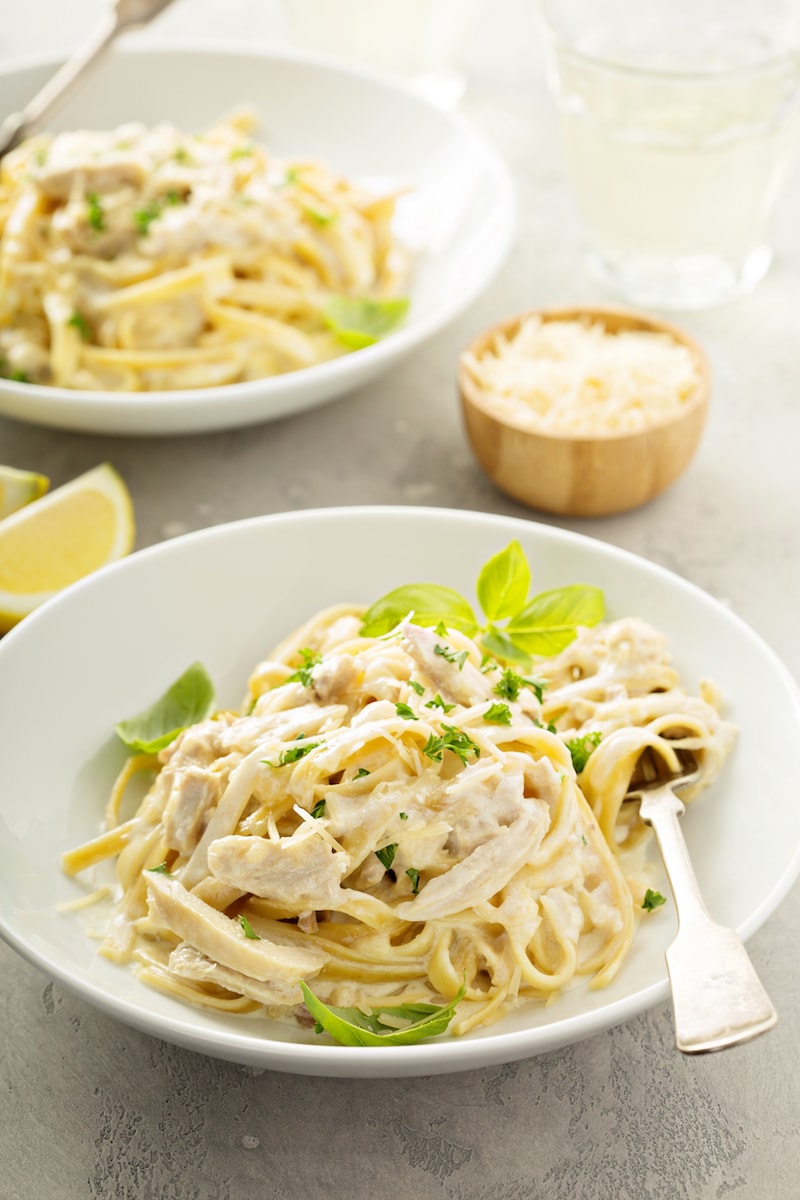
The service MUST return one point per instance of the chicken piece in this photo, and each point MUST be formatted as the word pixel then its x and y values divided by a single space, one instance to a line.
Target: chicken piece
pixel 463 683
pixel 222 939
pixel 194 792
pixel 301 872
pixel 482 873
pixel 189 963
pixel 333 677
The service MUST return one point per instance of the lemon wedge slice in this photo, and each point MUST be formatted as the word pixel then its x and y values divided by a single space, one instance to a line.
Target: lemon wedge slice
pixel 50 544
pixel 18 488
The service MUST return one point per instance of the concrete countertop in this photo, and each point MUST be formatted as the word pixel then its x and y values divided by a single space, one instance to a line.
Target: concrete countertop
pixel 90 1108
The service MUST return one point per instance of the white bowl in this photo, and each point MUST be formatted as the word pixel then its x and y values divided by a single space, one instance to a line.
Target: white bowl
pixel 458 220
pixel 225 596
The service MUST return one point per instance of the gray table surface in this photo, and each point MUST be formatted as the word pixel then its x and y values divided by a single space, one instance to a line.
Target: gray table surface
pixel 91 1108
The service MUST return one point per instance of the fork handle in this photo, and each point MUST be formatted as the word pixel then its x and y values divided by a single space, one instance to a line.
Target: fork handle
pixel 718 999
pixel 16 127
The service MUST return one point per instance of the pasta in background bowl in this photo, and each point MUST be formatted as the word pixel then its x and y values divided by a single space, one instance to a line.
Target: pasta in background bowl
pixel 161 279
pixel 743 832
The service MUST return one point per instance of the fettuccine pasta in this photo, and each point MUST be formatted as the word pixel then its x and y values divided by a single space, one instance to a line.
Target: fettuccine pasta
pixel 393 819
pixel 145 259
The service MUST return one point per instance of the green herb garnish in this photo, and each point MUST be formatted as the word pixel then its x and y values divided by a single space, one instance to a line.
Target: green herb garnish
pixel 319 809
pixel 188 700
pixel 453 739
pixel 386 855
pixel 581 748
pixel 361 773
pixel 79 322
pixel 248 928
pixel 310 660
pixel 357 323
pixel 498 714
pixel 653 900
pixel 406 712
pixel 94 212
pixel 161 869
pixel 417 687
pixel 293 754
pixel 541 625
pixel 511 684
pixel 459 657
pixel 145 216
pixel 438 702
pixel 413 875
pixel 320 217
pixel 243 151
pixel 352 1027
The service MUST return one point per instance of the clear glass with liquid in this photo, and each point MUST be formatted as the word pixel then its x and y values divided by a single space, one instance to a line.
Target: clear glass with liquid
pixel 681 122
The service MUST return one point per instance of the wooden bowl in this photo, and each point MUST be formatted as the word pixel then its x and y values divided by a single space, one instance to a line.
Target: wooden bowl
pixel 580 475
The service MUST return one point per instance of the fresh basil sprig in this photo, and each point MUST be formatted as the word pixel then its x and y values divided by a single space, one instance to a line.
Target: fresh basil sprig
pixel 517 626
pixel 188 700
pixel 352 1027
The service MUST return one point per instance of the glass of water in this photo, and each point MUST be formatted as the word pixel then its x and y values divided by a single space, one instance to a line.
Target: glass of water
pixel 680 119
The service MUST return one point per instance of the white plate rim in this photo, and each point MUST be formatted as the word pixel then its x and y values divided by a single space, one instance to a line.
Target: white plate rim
pixel 427 1058
pixel 296 391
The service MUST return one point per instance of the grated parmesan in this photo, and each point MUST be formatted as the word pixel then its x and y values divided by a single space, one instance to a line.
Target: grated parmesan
pixel 574 377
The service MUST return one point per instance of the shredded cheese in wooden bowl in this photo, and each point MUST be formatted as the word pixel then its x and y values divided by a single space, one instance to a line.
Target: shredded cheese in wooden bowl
pixel 584 412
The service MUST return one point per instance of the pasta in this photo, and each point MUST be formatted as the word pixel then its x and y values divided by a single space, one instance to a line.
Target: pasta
pixel 396 821
pixel 145 259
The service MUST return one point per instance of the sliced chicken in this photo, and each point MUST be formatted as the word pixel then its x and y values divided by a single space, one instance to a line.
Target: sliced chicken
pixel 460 682
pixel 189 963
pixel 223 940
pixel 301 872
pixel 196 790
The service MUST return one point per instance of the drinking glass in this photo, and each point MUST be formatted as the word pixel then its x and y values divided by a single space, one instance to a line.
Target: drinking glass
pixel 680 122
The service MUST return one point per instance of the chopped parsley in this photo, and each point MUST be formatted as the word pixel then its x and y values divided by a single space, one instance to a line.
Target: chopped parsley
pixel 452 656
pixel 319 809
pixel 386 855
pixel 406 712
pixel 310 660
pixel 438 702
pixel 361 773
pixel 403 816
pixel 161 869
pixel 418 688
pixel 498 714
pixel 248 928
pixel 511 684
pixel 94 212
pixel 453 739
pixel 581 748
pixel 79 322
pixel 243 151
pixel 652 900
pixel 182 156
pixel 145 216
pixel 292 754
pixel 550 727
pixel 413 875
pixel 318 216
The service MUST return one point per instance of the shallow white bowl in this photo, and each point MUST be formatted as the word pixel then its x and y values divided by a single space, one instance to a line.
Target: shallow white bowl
pixel 108 646
pixel 458 220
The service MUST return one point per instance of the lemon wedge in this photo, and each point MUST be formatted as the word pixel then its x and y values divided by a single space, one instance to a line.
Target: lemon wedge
pixel 50 544
pixel 18 488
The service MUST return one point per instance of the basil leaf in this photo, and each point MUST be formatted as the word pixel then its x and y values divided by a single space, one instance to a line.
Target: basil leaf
pixel 504 583
pixel 549 621
pixel 351 1027
pixel 188 700
pixel 501 647
pixel 430 604
pixel 357 323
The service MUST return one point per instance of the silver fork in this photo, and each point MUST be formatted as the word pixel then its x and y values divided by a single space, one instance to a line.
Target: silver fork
pixel 718 999
pixel 124 15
